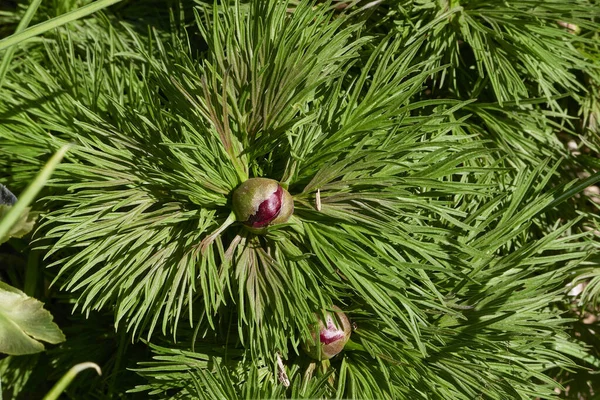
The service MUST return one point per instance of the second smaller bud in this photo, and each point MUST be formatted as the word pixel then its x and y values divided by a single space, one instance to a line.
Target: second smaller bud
pixel 330 336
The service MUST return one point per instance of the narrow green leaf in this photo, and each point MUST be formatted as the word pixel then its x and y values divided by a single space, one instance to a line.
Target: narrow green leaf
pixel 55 23
pixel 7 58
pixel 67 378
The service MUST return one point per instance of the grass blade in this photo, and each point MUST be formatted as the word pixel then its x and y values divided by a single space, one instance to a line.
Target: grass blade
pixel 55 23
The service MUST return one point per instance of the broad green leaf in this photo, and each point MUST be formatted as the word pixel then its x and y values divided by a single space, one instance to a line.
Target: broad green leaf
pixel 24 322
pixel 24 223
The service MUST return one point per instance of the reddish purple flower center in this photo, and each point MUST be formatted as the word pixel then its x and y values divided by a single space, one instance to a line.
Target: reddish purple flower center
pixel 267 211
pixel 331 333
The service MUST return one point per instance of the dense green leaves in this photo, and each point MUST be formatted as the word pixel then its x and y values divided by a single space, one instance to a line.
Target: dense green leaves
pixel 511 50
pixel 435 199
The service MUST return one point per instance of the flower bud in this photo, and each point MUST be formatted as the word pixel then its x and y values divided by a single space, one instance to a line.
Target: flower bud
pixel 260 202
pixel 334 333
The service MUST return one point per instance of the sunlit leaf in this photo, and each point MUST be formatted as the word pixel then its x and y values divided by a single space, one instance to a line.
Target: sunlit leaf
pixel 24 323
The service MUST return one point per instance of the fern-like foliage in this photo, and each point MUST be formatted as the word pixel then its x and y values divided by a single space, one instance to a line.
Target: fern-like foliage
pixel 519 49
pixel 432 222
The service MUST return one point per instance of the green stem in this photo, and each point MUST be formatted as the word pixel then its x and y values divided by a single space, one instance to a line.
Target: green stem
pixel 308 374
pixel 67 378
pixel 31 274
pixel 325 365
pixel 207 241
pixel 119 357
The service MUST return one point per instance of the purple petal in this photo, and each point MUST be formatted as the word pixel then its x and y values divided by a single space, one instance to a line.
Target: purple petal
pixel 331 333
pixel 267 211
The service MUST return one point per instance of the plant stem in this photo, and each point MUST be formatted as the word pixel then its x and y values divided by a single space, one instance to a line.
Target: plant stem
pixel 67 378
pixel 31 274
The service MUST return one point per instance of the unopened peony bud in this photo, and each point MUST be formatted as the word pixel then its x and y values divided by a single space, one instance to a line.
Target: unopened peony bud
pixel 260 202
pixel 333 336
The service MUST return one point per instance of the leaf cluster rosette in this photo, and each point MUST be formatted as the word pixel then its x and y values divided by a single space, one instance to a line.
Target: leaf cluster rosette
pixel 446 251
